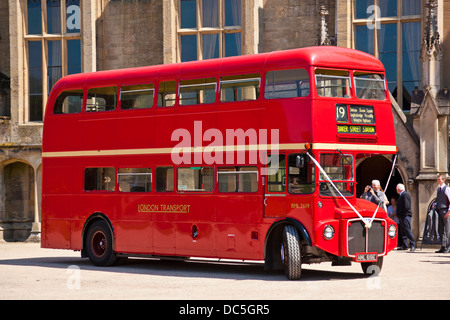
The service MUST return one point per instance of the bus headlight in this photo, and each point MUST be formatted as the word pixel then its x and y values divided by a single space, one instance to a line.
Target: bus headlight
pixel 328 232
pixel 392 231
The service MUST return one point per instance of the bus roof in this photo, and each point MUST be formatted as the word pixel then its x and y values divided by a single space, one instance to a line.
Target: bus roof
pixel 319 56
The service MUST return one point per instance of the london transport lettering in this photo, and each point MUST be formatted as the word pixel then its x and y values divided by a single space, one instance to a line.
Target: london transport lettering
pixel 163 208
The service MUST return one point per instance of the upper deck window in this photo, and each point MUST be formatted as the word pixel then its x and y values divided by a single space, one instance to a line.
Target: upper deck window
pixel 240 87
pixel 167 93
pixel 333 83
pixel 286 84
pixel 197 91
pixel 137 96
pixel 69 102
pixel 369 86
pixel 101 99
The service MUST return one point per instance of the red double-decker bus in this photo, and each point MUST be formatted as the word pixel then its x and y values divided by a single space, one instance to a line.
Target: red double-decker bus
pixel 249 157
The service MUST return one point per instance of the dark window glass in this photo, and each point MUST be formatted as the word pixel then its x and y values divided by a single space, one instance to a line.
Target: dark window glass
pixel 232 12
pixel 361 7
pixel 364 39
pixel 188 14
pixel 210 13
pixel 232 44
pixel 164 179
pixel 53 16
pixel 35 80
pixel 54 68
pixel 210 45
pixel 388 8
pixel 188 48
pixel 99 179
pixel 34 17
pixel 73 56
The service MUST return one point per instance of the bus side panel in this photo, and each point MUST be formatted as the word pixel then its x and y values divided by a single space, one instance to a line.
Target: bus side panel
pixel 238 226
pixel 56 205
pixel 194 228
pixel 134 227
pixel 56 233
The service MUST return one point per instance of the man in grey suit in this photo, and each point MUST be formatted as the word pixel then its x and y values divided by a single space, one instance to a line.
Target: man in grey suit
pixel 442 207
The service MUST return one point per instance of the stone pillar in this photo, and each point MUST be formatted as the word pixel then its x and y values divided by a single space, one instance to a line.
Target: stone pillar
pixel 35 235
pixel 431 118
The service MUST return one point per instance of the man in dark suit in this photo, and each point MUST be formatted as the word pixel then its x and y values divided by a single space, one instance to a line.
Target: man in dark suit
pixel 404 214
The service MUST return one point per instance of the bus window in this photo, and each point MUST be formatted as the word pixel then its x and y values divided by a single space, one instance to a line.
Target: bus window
pixel 164 179
pixel 99 179
pixel 134 179
pixel 300 174
pixel 197 91
pixel 195 179
pixel 286 84
pixel 240 87
pixel 237 179
pixel 69 102
pixel 276 176
pixel 339 169
pixel 369 86
pixel 137 96
pixel 167 93
pixel 101 99
pixel 333 83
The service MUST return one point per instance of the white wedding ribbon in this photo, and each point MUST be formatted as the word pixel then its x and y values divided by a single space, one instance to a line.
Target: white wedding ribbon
pixel 367 222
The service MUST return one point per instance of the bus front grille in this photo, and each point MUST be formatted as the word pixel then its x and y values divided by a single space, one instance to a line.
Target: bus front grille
pixel 361 239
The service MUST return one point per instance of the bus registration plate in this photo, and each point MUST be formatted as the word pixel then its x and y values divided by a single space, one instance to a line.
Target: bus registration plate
pixel 366 257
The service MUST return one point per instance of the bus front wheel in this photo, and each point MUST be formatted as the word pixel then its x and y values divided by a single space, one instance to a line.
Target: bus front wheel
pixel 291 253
pixel 99 245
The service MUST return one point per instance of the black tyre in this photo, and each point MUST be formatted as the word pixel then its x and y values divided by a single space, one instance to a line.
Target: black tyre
pixel 99 244
pixel 370 268
pixel 291 253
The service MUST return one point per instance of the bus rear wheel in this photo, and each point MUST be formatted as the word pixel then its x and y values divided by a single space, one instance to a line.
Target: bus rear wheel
pixel 291 253
pixel 98 244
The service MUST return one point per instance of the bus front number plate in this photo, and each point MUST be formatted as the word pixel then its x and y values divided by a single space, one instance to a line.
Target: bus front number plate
pixel 366 257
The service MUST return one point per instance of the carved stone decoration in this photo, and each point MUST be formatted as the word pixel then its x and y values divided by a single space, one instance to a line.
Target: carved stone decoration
pixel 324 38
pixel 431 45
pixel 431 51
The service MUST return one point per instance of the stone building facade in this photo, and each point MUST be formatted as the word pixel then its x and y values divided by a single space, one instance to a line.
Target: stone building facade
pixel 43 40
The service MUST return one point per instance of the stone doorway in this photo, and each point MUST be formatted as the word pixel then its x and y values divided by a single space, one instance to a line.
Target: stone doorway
pixel 18 197
pixel 377 167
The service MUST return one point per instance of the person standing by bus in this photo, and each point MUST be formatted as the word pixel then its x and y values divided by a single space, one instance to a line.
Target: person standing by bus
pixel 404 214
pixel 442 207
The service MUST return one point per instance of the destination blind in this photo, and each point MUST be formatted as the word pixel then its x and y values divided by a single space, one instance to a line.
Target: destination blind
pixel 355 119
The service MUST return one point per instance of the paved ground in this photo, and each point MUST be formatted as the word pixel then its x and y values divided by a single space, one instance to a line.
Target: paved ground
pixel 29 272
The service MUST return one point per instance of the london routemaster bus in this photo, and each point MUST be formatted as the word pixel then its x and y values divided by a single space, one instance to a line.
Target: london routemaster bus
pixel 250 158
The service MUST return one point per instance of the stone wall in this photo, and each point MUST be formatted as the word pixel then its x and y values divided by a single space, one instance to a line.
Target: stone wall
pixel 289 24
pixel 130 34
